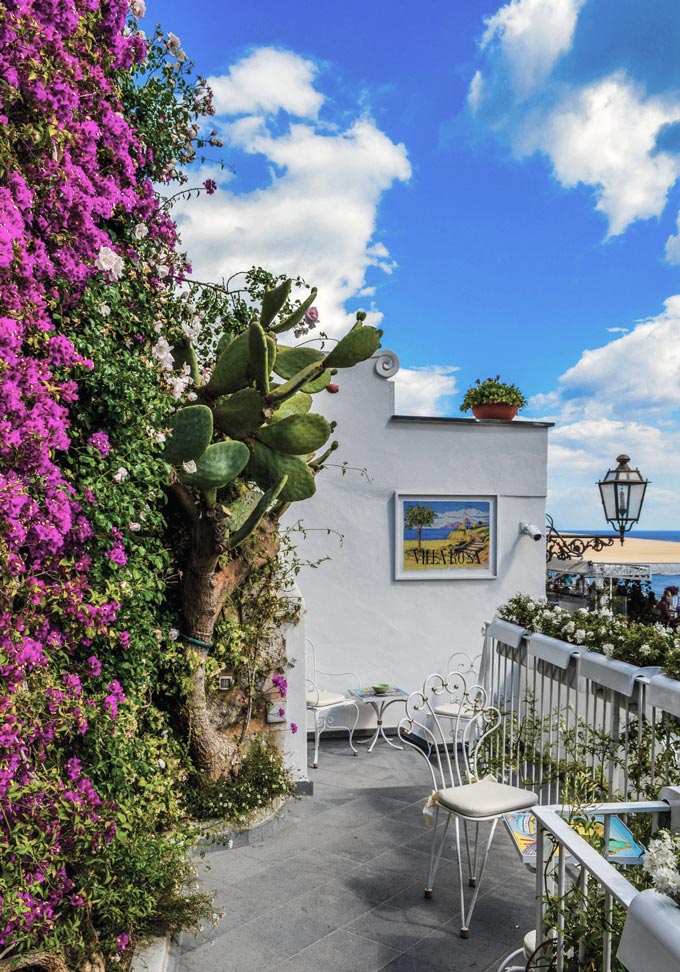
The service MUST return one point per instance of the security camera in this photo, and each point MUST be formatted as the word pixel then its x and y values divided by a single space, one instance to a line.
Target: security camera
pixel 531 530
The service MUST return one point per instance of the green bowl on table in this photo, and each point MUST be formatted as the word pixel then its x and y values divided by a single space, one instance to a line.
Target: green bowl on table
pixel 380 688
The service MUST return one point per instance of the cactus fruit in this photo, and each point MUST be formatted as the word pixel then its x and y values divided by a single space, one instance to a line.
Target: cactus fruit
pixel 333 389
pixel 272 302
pixel 231 369
pixel 238 415
pixel 297 314
pixel 291 360
pixel 191 432
pixel 258 354
pixel 296 435
pixel 219 464
pixel 360 343
pixel 267 467
pixel 318 384
pixel 297 405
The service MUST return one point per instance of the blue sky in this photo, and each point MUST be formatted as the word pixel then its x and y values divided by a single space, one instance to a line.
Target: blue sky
pixel 498 185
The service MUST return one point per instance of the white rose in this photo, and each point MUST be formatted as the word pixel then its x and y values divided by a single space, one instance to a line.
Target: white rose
pixel 162 271
pixel 138 8
pixel 173 42
pixel 141 230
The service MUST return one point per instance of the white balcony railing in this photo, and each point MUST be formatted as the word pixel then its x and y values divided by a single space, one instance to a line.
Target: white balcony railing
pixel 567 863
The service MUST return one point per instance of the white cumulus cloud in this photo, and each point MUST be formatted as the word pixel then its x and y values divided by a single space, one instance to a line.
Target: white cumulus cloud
pixel 531 36
pixel 315 210
pixel 268 80
pixel 604 135
pixel 424 391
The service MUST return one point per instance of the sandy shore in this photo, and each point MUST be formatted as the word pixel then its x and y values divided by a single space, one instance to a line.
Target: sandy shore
pixel 663 556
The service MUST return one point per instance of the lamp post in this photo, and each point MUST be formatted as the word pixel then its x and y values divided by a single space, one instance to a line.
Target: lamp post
pixel 622 491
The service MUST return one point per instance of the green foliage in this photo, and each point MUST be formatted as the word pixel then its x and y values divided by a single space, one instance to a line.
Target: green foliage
pixel 612 635
pixel 262 780
pixel 492 391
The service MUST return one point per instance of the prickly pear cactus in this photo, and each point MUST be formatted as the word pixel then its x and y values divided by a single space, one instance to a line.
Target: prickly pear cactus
pixel 254 420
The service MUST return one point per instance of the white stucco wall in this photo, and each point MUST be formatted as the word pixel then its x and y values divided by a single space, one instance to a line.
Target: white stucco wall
pixel 358 615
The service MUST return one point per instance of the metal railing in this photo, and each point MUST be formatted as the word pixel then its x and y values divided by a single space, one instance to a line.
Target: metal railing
pixel 564 707
pixel 566 862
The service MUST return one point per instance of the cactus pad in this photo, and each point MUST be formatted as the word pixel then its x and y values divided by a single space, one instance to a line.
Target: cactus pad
pixel 258 354
pixel 238 415
pixel 291 360
pixel 318 384
pixel 296 435
pixel 360 343
pixel 297 314
pixel 219 464
pixel 273 301
pixel 267 468
pixel 191 432
pixel 231 370
pixel 297 405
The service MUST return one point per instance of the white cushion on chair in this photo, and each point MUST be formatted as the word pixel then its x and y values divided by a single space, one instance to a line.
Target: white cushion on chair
pixel 324 698
pixel 485 798
pixel 453 709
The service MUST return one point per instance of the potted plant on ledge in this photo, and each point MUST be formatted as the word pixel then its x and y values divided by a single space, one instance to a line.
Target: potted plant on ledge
pixel 493 399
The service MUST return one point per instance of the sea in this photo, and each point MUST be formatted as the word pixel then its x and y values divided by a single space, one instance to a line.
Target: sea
pixel 659 581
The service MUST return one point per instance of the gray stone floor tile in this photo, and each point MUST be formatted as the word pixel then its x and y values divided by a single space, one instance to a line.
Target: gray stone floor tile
pixel 333 904
pixel 341 952
pixel 338 886
pixel 373 882
pixel 387 925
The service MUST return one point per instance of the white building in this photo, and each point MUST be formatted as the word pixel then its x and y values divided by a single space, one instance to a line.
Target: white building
pixel 364 611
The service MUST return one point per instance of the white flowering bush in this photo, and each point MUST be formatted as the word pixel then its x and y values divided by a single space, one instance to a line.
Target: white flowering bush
pixel 611 635
pixel 662 863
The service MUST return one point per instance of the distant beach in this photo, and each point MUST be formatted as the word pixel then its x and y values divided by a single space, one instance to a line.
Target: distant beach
pixel 638 552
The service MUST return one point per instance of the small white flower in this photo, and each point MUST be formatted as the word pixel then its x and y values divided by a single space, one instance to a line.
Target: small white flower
pixel 120 474
pixel 162 352
pixel 109 260
pixel 173 43
pixel 104 310
pixel 162 763
pixel 162 271
pixel 173 634
pixel 192 396
pixel 189 467
pixel 134 526
pixel 192 330
pixel 141 231
pixel 138 8
pixel 160 437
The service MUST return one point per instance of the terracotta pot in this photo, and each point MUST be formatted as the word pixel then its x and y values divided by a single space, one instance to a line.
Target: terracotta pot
pixel 495 410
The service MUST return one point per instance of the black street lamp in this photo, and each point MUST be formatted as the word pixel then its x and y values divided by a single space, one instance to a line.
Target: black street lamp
pixel 622 491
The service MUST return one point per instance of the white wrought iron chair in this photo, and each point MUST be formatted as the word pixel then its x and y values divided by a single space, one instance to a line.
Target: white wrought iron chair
pixel 460 790
pixel 324 703
pixel 453 704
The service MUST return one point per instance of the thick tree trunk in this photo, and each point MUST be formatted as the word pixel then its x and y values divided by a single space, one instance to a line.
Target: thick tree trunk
pixel 208 579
